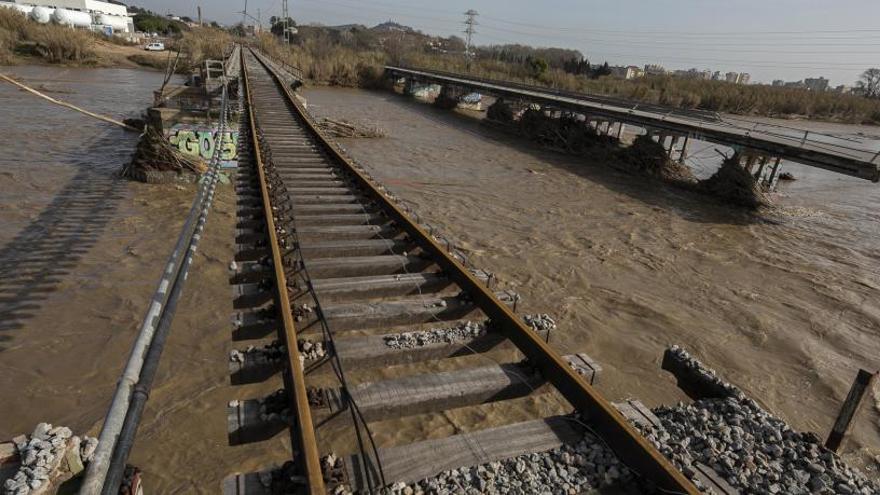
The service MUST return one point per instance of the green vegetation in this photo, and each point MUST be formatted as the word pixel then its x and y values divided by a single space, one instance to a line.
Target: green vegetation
pixel 354 56
pixel 54 44
pixel 150 22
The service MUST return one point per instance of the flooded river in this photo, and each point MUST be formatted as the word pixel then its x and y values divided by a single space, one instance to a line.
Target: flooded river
pixel 785 305
pixel 80 254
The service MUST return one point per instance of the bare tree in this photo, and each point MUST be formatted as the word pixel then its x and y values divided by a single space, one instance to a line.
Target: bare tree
pixel 870 83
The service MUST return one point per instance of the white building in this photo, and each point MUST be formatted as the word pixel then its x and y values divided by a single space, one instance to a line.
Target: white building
pixel 103 14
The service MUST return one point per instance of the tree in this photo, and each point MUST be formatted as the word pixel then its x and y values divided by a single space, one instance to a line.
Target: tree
pixel 870 83
pixel 538 66
pixel 604 70
pixel 278 25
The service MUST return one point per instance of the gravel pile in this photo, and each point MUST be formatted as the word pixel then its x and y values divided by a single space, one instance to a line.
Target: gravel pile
pixel 463 331
pixel 312 350
pixel 273 351
pixel 746 446
pixel 42 454
pixel 570 469
pixel 752 450
pixel 540 322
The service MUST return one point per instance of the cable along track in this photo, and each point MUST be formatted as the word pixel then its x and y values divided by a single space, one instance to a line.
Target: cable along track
pixel 338 273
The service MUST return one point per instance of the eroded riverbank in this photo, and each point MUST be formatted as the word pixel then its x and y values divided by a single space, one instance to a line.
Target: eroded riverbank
pixel 783 304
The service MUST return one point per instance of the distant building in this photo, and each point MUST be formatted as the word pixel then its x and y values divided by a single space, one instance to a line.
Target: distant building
pixel 816 84
pixel 843 89
pixel 737 77
pixel 99 14
pixel 623 72
pixel 636 71
pixel 778 82
pixel 693 74
pixel 716 76
pixel 654 70
pixel 796 85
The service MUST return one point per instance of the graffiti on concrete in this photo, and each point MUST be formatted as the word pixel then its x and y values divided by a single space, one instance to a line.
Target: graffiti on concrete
pixel 200 140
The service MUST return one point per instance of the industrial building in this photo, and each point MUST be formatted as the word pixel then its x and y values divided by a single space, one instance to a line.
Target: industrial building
pixel 102 16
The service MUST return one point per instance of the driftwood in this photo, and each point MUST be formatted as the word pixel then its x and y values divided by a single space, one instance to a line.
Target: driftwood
pixel 345 129
pixel 155 153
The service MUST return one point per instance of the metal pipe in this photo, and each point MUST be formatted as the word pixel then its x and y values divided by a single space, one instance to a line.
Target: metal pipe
pixel 96 473
pixel 141 392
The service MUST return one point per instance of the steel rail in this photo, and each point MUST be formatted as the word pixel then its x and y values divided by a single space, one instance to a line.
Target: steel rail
pixel 304 434
pixel 633 449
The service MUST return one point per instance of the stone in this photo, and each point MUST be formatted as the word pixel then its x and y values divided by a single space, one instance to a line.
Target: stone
pixel 41 432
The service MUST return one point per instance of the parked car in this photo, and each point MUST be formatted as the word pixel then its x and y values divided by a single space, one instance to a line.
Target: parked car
pixel 156 46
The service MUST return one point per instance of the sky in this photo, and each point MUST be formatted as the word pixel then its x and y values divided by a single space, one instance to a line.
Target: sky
pixel 770 39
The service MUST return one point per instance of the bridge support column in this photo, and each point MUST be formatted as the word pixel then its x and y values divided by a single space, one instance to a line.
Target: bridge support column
pixel 620 128
pixel 684 149
pixel 773 176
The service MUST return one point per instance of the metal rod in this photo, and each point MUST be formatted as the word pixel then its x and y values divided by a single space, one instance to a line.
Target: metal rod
pixel 861 386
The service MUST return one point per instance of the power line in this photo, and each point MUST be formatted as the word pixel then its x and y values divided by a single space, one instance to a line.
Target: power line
pixel 470 22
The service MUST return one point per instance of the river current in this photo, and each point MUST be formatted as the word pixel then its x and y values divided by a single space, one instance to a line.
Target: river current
pixel 784 304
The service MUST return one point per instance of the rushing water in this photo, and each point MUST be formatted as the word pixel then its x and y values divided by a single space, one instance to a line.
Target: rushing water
pixel 80 253
pixel 785 305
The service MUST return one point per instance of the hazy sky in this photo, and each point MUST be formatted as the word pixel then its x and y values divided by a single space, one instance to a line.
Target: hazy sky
pixel 771 39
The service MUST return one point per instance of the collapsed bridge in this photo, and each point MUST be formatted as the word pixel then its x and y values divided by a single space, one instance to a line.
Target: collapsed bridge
pixel 761 146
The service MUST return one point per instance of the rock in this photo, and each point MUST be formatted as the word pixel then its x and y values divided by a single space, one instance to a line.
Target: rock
pixel 89 444
pixel 41 432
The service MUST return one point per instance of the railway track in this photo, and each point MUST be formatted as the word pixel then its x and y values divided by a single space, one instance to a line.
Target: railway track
pixel 330 274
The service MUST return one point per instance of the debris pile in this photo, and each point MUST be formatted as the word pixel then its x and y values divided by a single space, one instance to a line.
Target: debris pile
pixel 48 457
pixel 154 157
pixel 346 129
pixel 648 158
pixel 500 112
pixel 566 134
pixel 734 184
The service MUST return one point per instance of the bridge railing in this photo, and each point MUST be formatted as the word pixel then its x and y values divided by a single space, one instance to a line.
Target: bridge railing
pixel 801 138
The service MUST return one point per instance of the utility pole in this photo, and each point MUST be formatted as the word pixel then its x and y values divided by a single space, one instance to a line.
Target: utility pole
pixel 285 20
pixel 259 20
pixel 470 22
pixel 199 10
pixel 244 14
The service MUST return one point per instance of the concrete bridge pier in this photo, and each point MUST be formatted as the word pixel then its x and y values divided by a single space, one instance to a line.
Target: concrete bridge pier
pixel 764 168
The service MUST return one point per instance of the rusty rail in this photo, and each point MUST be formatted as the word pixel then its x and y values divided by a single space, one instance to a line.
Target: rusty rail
pixel 304 433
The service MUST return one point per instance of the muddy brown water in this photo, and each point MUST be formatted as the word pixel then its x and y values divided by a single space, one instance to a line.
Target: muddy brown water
pixel 81 253
pixel 786 307
pixel 785 304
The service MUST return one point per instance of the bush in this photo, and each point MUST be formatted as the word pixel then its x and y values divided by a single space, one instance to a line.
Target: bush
pixel 205 43
pixel 58 44
pixel 55 44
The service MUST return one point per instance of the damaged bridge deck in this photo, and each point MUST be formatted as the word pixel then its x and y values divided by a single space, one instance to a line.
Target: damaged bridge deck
pixel 766 140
